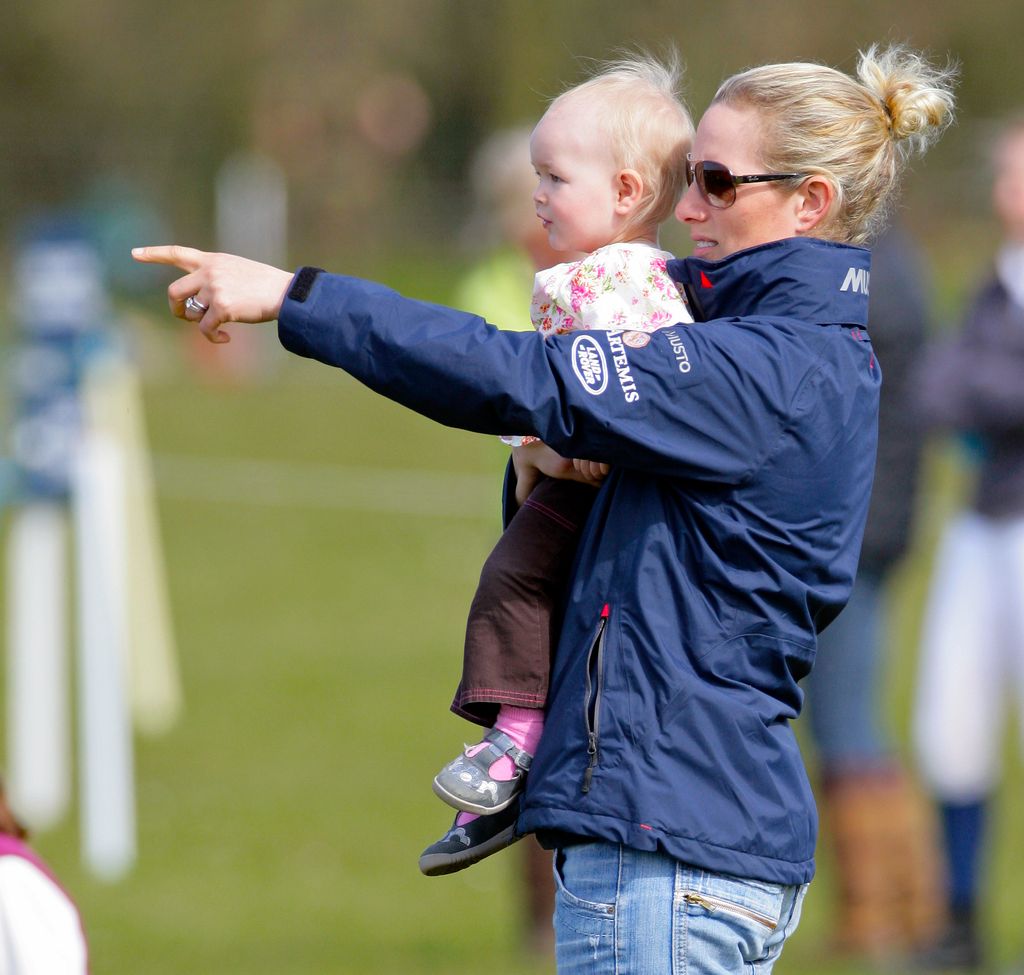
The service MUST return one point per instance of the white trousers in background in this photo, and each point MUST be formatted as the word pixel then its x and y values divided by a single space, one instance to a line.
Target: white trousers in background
pixel 972 655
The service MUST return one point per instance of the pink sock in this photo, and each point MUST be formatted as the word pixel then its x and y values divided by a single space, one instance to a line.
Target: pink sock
pixel 465 817
pixel 524 726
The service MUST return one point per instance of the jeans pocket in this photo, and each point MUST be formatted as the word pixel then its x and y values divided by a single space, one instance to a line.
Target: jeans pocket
pixel 586 885
pixel 714 905
pixel 731 919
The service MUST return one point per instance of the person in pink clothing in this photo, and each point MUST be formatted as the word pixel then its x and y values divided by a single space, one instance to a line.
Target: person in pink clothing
pixel 610 161
pixel 40 927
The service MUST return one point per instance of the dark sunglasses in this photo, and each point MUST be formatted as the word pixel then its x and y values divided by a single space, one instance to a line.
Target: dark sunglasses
pixel 717 184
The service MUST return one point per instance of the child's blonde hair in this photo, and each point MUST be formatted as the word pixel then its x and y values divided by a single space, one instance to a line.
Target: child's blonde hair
pixel 637 103
pixel 857 133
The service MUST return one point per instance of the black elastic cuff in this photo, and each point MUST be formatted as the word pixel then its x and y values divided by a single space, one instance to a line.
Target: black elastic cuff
pixel 303 283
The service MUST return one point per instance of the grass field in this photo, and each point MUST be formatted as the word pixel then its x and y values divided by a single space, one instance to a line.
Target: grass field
pixel 319 609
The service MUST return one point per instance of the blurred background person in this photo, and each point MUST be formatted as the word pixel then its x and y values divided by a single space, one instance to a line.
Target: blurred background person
pixel 513 246
pixel 878 825
pixel 972 650
pixel 40 928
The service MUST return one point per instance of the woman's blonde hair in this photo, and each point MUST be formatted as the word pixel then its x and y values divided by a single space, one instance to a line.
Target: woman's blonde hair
pixel 638 105
pixel 856 132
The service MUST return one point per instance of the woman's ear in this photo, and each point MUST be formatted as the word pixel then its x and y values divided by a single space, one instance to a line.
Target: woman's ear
pixel 814 198
pixel 629 186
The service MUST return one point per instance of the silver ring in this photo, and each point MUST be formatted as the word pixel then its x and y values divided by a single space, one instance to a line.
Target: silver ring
pixel 194 305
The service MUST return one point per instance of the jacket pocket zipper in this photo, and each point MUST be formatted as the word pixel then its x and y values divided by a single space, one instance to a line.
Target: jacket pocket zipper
pixel 712 904
pixel 592 698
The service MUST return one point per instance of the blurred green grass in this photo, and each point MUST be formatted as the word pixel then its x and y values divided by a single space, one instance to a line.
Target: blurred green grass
pixel 281 820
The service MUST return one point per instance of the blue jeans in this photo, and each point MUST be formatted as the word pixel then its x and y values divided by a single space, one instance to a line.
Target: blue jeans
pixel 620 911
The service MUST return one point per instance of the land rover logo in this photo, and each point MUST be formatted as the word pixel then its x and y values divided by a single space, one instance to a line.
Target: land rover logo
pixel 589 364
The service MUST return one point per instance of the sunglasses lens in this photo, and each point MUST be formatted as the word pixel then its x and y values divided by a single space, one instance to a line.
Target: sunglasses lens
pixel 716 183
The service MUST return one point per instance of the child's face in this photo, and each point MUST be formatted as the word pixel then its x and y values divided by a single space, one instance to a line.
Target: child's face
pixel 577 189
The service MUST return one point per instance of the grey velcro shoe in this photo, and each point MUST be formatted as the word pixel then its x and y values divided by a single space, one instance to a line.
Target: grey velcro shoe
pixel 466 782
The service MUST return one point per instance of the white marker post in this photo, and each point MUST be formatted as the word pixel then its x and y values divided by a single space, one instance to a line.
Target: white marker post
pixel 112 407
pixel 105 729
pixel 53 298
pixel 38 736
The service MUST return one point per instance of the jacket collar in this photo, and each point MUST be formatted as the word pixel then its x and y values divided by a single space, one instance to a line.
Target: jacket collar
pixel 799 277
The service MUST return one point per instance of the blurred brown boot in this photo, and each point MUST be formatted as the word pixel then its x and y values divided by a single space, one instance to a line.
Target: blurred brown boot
pixel 540 898
pixel 884 842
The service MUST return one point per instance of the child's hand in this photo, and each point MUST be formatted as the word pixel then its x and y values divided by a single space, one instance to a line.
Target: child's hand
pixel 535 460
pixel 527 461
pixel 590 471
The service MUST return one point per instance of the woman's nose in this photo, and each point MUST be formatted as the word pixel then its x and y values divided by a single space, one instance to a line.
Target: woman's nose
pixel 690 205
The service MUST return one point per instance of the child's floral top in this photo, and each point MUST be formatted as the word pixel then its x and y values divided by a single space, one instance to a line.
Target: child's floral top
pixel 618 287
pixel 621 287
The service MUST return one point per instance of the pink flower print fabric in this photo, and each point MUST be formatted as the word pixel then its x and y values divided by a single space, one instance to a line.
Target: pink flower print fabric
pixel 621 287
pixel 618 287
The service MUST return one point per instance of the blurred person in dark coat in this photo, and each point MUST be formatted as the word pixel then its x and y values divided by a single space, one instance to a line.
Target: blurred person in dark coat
pixel 972 654
pixel 877 821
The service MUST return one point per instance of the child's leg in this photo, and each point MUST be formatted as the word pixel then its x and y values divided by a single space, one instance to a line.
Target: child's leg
pixel 511 626
pixel 524 727
pixel 508 645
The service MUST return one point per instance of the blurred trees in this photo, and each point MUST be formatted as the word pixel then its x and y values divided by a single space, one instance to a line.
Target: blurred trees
pixel 373 107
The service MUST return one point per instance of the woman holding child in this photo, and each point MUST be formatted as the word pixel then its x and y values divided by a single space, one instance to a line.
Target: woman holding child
pixel 726 533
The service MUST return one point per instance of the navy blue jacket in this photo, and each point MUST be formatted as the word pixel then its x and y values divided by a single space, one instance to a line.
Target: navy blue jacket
pixel 726 535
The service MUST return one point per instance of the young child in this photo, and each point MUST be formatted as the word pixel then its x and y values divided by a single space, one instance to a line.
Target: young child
pixel 610 159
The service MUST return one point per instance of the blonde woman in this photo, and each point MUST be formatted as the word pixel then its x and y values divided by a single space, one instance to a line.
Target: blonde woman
pixel 726 533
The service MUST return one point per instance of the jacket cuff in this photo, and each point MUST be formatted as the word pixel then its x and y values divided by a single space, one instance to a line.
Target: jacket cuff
pixel 302 283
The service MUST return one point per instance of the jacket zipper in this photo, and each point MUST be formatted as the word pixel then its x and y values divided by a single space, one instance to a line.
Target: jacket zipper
pixel 592 698
pixel 712 904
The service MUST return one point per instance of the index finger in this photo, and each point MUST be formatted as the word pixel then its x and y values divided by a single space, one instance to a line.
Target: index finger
pixel 187 258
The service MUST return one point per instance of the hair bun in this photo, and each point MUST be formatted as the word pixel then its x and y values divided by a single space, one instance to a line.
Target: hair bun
pixel 916 96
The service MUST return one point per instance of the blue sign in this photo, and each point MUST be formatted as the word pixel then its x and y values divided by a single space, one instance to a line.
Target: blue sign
pixel 60 310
